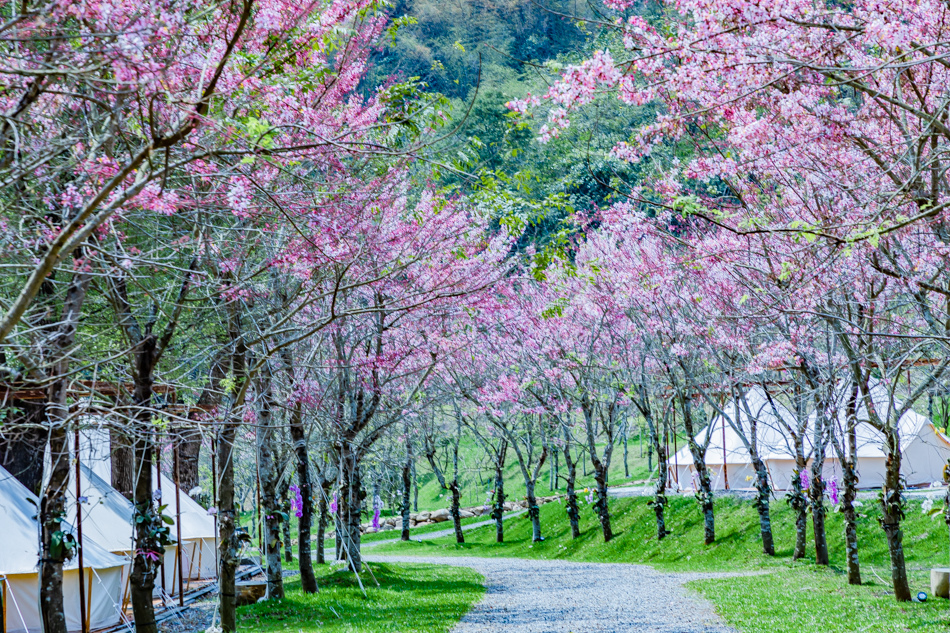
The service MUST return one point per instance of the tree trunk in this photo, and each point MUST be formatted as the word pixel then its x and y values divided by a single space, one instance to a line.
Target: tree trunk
pixel 55 550
pixel 799 503
pixel 322 522
pixel 229 542
pixel 267 458
pixel 892 506
pixel 552 474
pixel 816 496
pixel 600 506
pixel 123 467
pixel 659 495
pixel 764 490
pixel 308 580
pixel 498 513
pixel 189 454
pixel 573 512
pixel 456 511
pixel 148 522
pixel 406 491
pixel 534 512
pixel 351 506
pixel 55 546
pixel 704 495
pixel 850 522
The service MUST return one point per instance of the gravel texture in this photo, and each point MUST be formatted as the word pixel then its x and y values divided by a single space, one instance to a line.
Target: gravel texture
pixel 545 596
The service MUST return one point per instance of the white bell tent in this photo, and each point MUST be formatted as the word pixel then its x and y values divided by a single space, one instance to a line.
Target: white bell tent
pixel 107 519
pixel 198 534
pixel 924 449
pixel 19 555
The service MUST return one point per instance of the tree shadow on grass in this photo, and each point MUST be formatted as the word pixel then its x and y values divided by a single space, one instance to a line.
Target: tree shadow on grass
pixel 411 598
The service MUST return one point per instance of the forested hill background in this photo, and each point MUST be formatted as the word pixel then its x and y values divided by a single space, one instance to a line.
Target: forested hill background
pixel 506 49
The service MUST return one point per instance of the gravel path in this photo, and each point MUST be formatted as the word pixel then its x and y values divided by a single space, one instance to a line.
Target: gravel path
pixel 545 596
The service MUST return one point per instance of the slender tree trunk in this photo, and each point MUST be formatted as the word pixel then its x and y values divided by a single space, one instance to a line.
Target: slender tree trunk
pixel 23 441
pixel 52 507
pixel 150 551
pixel 552 475
pixel 850 522
pixel 406 491
pixel 573 512
pixel 498 513
pixel 534 512
pixel 415 488
pixel 626 462
pixel 799 503
pixel 892 506
pixel 229 542
pixel 600 506
pixel 456 511
pixel 53 501
pixel 849 462
pixel 267 458
pixel 659 495
pixel 764 491
pixel 816 495
pixel 705 494
pixel 351 506
pixel 123 467
pixel 286 508
pixel 308 580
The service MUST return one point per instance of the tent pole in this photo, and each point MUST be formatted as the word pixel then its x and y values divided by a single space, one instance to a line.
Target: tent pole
pixel 82 589
pixel 181 595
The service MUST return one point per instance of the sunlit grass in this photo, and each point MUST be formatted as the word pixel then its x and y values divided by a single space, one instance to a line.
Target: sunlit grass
pixel 410 599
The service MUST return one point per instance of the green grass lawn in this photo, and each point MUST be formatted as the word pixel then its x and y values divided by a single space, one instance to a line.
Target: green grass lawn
pixel 411 599
pixel 790 596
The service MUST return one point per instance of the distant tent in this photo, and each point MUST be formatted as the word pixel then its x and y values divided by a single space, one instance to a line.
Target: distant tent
pixel 19 577
pixel 924 449
pixel 198 534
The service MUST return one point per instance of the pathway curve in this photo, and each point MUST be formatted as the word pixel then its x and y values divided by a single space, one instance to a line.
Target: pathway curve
pixel 547 596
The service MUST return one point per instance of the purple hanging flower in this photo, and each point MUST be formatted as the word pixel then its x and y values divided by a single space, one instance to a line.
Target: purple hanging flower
pixel 296 503
pixel 488 497
pixel 333 504
pixel 157 494
pixel 804 479
pixel 833 492
pixel 377 508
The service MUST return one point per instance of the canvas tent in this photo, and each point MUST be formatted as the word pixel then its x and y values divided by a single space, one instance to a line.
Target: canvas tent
pixel 924 449
pixel 198 532
pixel 107 519
pixel 19 577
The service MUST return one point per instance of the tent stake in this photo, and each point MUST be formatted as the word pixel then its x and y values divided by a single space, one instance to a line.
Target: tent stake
pixel 82 588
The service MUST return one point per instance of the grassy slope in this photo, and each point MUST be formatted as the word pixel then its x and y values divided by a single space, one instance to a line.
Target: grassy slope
pixel 793 597
pixel 477 476
pixel 411 599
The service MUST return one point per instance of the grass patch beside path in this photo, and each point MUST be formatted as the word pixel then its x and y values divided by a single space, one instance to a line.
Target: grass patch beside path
pixel 803 600
pixel 795 597
pixel 387 535
pixel 411 599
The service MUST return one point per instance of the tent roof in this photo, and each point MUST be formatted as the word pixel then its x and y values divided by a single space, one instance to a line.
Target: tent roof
pixel 195 521
pixel 20 551
pixel 106 514
pixel 773 439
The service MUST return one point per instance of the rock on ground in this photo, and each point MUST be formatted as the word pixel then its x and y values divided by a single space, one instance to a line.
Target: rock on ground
pixel 545 596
